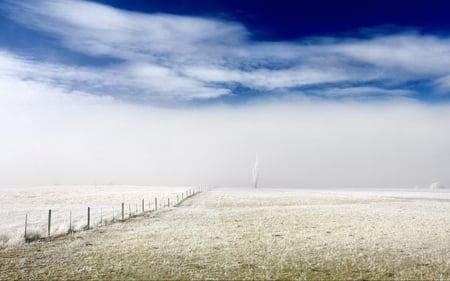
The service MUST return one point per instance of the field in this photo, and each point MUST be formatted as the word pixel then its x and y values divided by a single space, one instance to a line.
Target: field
pixel 228 233
pixel 69 207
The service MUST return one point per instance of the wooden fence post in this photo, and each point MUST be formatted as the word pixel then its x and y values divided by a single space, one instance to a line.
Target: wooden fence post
pixel 168 202
pixel 113 215
pixel 101 216
pixel 49 223
pixel 26 221
pixel 156 203
pixel 89 218
pixel 129 210
pixel 123 212
pixel 142 205
pixel 70 221
pixel 177 199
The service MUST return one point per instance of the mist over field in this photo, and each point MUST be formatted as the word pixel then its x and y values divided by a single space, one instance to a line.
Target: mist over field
pixel 50 136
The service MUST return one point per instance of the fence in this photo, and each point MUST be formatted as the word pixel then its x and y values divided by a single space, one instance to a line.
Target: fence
pixel 144 207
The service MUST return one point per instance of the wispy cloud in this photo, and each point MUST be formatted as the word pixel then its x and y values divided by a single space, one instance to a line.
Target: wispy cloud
pixel 126 81
pixel 352 91
pixel 99 29
pixel 417 54
pixel 170 57
pixel 443 84
pixel 269 79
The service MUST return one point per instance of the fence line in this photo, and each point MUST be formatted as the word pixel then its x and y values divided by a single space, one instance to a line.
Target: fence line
pixel 184 196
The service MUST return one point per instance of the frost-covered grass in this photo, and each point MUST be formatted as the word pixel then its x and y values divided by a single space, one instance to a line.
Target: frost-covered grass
pixel 258 234
pixel 104 202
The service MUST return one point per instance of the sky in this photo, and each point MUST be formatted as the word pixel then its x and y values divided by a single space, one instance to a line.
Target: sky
pixel 327 93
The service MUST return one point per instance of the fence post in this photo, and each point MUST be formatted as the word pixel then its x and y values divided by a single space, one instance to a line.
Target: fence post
pixel 70 221
pixel 88 218
pixel 101 216
pixel 177 199
pixel 142 205
pixel 49 223
pixel 123 212
pixel 156 203
pixel 168 202
pixel 26 221
pixel 113 215
pixel 129 210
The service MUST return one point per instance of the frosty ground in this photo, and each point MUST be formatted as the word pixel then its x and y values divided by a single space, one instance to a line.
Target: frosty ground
pixel 69 207
pixel 257 234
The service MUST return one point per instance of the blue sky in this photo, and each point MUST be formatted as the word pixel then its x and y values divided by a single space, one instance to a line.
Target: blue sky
pixel 195 52
pixel 327 93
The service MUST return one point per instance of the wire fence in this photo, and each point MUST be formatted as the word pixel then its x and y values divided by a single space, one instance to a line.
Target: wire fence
pixel 59 224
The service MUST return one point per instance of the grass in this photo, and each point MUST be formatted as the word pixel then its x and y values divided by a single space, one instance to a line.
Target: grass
pixel 263 235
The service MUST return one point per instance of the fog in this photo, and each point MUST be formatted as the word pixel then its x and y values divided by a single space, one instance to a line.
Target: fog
pixel 50 137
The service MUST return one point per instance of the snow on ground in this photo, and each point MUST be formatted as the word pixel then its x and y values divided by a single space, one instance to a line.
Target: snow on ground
pixel 104 202
pixel 239 234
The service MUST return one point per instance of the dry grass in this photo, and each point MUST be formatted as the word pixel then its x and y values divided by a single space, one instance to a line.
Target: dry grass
pixel 255 234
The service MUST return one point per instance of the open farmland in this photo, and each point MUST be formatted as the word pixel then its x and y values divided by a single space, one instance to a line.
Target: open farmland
pixel 69 207
pixel 257 234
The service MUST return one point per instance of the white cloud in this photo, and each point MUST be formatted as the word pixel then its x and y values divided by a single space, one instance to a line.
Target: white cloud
pixel 352 91
pixel 443 83
pixel 419 54
pixel 169 82
pixel 99 29
pixel 268 79
pixel 170 57
pixel 144 81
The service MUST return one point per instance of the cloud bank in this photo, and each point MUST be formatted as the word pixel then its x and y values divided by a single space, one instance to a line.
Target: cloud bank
pixel 54 137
